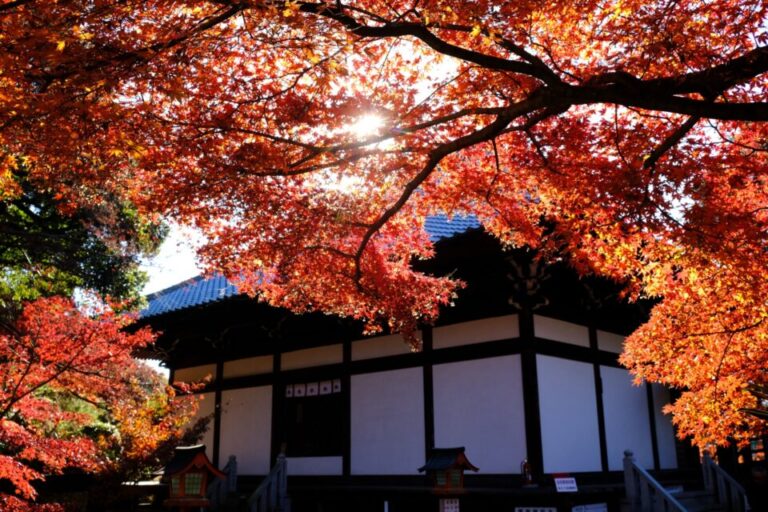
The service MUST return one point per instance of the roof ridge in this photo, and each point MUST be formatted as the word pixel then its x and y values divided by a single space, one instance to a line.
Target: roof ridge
pixel 205 289
pixel 180 284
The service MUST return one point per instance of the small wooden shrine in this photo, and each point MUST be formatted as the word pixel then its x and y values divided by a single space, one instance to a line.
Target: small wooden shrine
pixel 189 473
pixel 445 467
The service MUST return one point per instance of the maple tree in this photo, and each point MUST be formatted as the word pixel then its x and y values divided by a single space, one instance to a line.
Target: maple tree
pixel 309 140
pixel 73 397
pixel 139 431
pixel 70 398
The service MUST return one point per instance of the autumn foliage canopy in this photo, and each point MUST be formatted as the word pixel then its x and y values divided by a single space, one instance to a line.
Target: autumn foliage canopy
pixel 73 398
pixel 309 140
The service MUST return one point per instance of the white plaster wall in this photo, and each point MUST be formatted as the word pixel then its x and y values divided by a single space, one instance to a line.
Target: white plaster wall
pixel 247 366
pixel 568 408
pixel 627 426
pixel 246 425
pixel 387 422
pixel 476 331
pixel 610 342
pixel 380 346
pixel 479 405
pixel 206 407
pixel 194 373
pixel 558 330
pixel 665 431
pixel 317 356
pixel 313 466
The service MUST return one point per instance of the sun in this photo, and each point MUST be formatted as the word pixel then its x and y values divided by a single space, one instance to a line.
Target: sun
pixel 368 125
pixel 372 129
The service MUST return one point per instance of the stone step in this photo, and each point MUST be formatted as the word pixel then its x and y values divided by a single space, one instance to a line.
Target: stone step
pixel 704 507
pixel 687 495
pixel 692 501
pixel 698 501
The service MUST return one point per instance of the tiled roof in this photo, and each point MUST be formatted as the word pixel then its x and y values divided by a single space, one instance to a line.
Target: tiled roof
pixel 439 226
pixel 199 290
pixel 192 292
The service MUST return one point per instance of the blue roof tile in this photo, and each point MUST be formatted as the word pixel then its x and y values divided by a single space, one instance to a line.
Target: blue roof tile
pixel 200 290
pixel 192 292
pixel 440 226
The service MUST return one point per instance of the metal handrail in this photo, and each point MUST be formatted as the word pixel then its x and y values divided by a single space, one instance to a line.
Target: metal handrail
pixel 644 493
pixel 272 493
pixel 725 489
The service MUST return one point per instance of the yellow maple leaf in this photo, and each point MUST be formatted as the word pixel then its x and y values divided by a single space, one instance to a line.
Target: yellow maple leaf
pixel 290 9
pixel 9 188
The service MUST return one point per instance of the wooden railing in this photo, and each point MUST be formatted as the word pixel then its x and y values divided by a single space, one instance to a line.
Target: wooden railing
pixel 272 494
pixel 727 492
pixel 644 493
pixel 219 489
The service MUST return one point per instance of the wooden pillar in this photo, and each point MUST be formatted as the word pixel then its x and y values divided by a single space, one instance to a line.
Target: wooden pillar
pixel 599 398
pixel 217 383
pixel 429 395
pixel 278 398
pixel 654 433
pixel 533 441
pixel 346 385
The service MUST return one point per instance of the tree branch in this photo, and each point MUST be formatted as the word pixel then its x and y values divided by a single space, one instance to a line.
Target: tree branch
pixel 140 55
pixel 712 81
pixel 422 33
pixel 670 142
pixel 534 102
pixel 12 5
pixel 638 96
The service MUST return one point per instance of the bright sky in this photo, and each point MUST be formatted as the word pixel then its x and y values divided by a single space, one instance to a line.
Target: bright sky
pixel 175 262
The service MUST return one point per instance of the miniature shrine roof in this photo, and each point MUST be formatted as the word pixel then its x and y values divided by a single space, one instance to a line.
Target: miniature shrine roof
pixel 186 456
pixel 200 290
pixel 441 459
